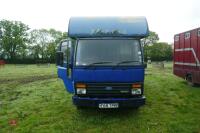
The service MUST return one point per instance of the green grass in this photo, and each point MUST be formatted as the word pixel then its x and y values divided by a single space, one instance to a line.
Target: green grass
pixel 37 100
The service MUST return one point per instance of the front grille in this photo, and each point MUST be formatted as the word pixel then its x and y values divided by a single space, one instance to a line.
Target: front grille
pixel 108 89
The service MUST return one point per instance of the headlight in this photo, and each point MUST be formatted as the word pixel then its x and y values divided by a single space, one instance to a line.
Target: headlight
pixel 80 91
pixel 136 91
pixel 80 88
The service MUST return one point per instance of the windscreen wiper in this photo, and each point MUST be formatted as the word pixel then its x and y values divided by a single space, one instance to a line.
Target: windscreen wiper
pixel 124 62
pixel 95 63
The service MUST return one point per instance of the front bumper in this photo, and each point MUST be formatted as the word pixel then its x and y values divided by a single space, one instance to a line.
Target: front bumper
pixel 94 102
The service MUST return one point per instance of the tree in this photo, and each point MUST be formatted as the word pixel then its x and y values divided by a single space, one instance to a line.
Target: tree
pixel 13 39
pixel 44 43
pixel 39 40
pixel 150 40
pixel 52 46
pixel 1 49
pixel 160 51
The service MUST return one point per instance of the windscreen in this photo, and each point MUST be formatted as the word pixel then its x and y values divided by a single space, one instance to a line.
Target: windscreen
pixel 108 52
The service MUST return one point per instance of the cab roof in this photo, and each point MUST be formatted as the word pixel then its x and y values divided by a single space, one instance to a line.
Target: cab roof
pixel 86 27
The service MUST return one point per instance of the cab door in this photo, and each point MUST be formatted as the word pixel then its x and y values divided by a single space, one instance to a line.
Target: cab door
pixel 64 57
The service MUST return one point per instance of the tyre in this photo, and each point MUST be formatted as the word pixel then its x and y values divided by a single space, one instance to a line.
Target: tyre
pixel 189 80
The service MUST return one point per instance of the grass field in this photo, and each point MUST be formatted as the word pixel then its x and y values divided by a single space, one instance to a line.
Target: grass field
pixel 32 99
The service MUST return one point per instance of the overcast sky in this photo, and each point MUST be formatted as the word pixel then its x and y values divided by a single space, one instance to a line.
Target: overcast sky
pixel 164 17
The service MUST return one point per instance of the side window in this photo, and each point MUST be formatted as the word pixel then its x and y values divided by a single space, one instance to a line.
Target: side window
pixel 176 38
pixel 64 49
pixel 199 32
pixel 187 35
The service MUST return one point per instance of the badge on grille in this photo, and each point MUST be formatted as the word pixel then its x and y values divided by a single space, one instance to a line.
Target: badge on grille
pixel 108 88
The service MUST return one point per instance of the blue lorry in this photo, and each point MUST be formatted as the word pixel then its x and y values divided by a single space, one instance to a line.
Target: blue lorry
pixel 101 63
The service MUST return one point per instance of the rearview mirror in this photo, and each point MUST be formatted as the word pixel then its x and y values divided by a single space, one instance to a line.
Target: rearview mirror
pixel 59 58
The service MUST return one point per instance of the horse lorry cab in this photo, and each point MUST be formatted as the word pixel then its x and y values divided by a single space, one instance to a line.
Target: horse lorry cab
pixel 101 63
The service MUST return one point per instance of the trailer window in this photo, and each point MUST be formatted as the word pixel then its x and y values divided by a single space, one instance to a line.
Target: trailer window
pixel 187 35
pixel 176 38
pixel 199 32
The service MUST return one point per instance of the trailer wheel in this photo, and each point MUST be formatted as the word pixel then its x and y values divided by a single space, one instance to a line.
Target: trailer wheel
pixel 189 80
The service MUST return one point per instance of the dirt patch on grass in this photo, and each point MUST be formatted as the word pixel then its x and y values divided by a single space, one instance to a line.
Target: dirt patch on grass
pixel 28 79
